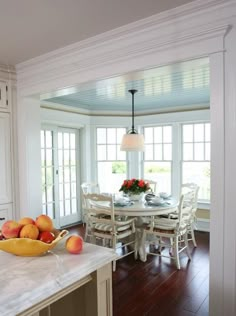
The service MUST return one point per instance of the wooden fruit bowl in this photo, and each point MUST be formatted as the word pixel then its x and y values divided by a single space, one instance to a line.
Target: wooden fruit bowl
pixel 27 247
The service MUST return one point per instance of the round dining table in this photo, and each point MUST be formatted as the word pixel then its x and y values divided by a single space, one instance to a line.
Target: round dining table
pixel 142 210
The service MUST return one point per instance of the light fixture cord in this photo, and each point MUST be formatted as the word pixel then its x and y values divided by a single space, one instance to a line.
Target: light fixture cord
pixel 132 128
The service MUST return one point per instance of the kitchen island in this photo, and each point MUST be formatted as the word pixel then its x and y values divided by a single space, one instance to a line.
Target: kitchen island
pixel 57 283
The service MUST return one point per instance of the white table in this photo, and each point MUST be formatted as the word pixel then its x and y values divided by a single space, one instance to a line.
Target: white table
pixel 142 210
pixel 58 283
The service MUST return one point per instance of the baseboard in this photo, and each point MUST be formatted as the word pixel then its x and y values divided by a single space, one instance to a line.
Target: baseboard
pixel 203 225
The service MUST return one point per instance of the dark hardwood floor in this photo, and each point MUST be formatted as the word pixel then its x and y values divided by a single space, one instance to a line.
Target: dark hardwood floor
pixel 156 288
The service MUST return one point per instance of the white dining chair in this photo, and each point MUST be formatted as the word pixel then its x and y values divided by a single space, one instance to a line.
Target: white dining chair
pixel 114 231
pixel 191 190
pixel 153 185
pixel 167 233
pixel 87 187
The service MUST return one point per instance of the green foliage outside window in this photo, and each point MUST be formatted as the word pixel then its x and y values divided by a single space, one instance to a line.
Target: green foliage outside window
pixel 119 167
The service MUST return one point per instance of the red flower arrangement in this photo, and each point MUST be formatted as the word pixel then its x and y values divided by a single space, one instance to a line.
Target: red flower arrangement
pixel 135 186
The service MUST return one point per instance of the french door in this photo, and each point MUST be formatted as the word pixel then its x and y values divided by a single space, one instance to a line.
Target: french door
pixel 60 175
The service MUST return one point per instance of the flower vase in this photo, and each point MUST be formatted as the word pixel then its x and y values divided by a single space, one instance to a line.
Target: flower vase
pixel 136 197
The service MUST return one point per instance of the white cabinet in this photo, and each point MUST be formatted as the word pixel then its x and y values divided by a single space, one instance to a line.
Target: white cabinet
pixel 5 159
pixel 5 213
pixel 3 95
pixel 7 79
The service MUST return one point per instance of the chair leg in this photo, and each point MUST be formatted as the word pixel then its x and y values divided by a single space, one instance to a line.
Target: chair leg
pixel 186 244
pixel 193 236
pixel 176 252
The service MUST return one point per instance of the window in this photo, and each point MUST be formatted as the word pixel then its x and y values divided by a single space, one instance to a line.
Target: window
pixel 158 156
pixel 111 162
pixel 196 157
pixel 59 175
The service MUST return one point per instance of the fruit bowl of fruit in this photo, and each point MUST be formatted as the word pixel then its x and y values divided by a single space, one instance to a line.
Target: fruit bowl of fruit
pixel 29 238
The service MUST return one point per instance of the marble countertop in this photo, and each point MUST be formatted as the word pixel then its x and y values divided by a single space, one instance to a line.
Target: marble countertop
pixel 26 281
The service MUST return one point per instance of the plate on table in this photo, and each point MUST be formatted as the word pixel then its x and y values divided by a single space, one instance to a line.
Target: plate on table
pixel 164 195
pixel 122 202
pixel 156 202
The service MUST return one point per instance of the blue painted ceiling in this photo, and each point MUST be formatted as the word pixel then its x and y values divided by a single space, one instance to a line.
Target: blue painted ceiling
pixel 174 87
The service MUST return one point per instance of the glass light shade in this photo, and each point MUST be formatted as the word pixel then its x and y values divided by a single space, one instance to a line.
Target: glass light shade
pixel 132 142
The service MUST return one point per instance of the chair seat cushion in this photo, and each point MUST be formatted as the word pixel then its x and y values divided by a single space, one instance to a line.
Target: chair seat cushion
pixel 108 228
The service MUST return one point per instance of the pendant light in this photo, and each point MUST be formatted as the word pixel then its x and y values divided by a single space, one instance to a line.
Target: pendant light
pixel 132 141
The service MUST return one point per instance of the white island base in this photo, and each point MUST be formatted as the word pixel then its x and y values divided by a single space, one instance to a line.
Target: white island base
pixel 58 283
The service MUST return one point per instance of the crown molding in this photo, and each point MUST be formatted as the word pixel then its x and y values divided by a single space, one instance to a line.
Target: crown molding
pixel 75 110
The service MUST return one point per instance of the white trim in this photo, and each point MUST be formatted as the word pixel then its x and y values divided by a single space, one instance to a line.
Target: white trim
pixel 203 225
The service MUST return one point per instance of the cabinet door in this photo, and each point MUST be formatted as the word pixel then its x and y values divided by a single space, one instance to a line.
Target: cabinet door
pixel 3 95
pixel 5 213
pixel 5 159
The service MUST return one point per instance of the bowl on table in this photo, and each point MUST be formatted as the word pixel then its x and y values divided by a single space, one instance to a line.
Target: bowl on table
pixel 164 195
pixel 27 247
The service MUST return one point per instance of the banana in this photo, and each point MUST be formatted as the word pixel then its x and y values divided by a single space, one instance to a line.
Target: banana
pixel 27 247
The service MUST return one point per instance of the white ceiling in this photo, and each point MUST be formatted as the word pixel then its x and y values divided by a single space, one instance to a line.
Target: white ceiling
pixel 169 88
pixel 29 28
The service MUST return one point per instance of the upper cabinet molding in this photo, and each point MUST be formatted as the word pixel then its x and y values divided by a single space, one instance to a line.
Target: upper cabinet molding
pixel 197 21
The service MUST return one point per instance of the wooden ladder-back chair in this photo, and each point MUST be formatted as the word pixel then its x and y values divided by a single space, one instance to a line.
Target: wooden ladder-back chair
pixel 115 232
pixel 87 187
pixel 167 233
pixel 191 191
pixel 153 185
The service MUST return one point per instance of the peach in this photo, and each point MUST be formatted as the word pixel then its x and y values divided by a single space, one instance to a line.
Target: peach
pixel 11 229
pixel 74 244
pixel 29 231
pixel 44 223
pixel 26 220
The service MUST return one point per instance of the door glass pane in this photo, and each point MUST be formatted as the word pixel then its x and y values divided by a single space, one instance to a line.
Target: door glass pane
pixel 66 141
pixel 72 141
pixel 59 140
pixel 48 139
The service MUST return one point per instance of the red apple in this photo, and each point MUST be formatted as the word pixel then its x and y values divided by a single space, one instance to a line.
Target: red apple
pixel 11 229
pixel 74 244
pixel 46 237
pixel 44 223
